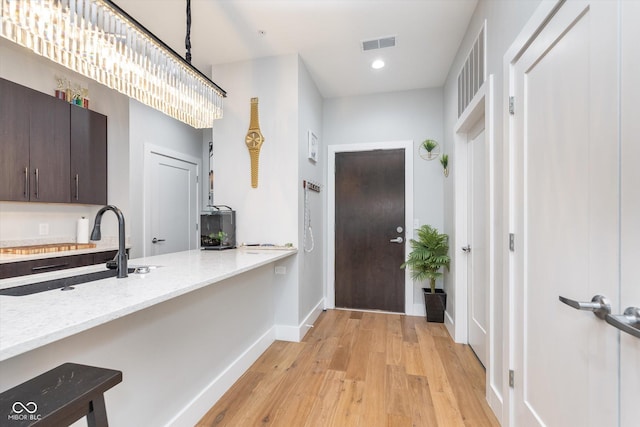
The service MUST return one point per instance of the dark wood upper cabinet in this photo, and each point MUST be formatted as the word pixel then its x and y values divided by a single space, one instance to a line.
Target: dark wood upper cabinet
pixel 52 151
pixel 14 142
pixel 49 149
pixel 88 157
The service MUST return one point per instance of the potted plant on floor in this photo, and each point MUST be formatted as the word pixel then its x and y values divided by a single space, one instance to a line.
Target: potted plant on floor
pixel 429 254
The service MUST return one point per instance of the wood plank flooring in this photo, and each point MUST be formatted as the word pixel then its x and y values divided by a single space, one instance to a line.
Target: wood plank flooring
pixel 362 370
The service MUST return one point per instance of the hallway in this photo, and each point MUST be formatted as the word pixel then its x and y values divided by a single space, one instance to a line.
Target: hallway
pixel 360 369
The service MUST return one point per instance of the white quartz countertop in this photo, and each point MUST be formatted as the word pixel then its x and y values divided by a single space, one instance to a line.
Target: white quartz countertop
pixel 31 321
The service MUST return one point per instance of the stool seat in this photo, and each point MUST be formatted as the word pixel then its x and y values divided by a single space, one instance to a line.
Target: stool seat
pixel 60 397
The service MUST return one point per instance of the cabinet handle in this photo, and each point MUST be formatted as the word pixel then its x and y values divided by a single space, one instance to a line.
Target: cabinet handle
pixel 45 267
pixel 37 183
pixel 26 183
pixel 77 180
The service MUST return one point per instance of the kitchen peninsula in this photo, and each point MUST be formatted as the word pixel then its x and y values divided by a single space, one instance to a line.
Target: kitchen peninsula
pixel 181 334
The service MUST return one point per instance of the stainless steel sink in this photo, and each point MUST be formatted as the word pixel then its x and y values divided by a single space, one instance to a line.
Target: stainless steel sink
pixel 63 283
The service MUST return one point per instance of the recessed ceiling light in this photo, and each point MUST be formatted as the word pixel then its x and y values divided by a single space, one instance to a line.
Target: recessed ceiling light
pixel 377 64
pixel 262 33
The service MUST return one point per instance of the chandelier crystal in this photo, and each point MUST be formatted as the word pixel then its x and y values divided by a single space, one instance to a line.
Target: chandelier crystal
pixel 102 42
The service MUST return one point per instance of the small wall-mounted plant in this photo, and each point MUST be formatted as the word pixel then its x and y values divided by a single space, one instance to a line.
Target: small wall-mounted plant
pixel 444 161
pixel 429 149
pixel 429 145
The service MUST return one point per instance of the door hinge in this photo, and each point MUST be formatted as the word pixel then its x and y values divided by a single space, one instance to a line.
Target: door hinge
pixel 512 242
pixel 512 108
pixel 511 378
pixel 197 179
pixel 197 226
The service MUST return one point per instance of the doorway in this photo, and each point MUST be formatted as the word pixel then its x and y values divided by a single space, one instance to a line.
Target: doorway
pixel 477 247
pixel 370 230
pixel 171 202
pixel 345 263
pixel 477 304
pixel 574 209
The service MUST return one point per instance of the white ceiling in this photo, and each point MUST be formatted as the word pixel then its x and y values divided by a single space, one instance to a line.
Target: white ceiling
pixel 326 33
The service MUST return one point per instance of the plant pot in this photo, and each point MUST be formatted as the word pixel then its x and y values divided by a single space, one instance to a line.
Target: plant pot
pixel 435 305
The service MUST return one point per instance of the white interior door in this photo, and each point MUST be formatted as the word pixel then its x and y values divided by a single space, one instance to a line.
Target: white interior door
pixel 630 210
pixel 565 206
pixel 171 205
pixel 478 261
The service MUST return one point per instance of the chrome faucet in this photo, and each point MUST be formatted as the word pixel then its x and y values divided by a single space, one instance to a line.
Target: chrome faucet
pixel 121 257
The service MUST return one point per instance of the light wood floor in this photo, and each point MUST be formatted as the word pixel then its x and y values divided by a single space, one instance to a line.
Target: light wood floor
pixel 362 370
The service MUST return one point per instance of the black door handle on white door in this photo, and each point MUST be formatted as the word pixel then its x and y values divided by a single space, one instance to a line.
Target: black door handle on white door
pixel 155 240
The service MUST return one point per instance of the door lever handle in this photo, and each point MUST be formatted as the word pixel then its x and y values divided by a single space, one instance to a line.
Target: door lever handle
pixel 397 240
pixel 628 322
pixel 466 249
pixel 155 240
pixel 599 305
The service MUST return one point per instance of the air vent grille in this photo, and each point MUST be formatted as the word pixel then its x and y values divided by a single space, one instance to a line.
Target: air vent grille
pixel 472 75
pixel 378 43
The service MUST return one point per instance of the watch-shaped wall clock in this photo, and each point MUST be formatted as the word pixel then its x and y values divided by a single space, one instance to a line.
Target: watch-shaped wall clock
pixel 254 141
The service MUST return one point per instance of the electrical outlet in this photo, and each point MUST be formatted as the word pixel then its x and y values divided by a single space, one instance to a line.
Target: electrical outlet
pixel 280 269
pixel 43 229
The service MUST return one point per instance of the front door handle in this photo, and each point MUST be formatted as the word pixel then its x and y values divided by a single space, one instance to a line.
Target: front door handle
pixel 466 249
pixel 599 305
pixel 397 240
pixel 628 322
pixel 157 240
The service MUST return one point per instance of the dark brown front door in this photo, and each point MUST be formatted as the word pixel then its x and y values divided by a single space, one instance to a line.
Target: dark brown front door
pixel 370 204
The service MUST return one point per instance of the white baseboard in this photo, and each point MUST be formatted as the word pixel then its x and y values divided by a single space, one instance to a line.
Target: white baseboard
pixel 449 323
pixel 419 310
pixel 296 333
pixel 495 403
pixel 200 404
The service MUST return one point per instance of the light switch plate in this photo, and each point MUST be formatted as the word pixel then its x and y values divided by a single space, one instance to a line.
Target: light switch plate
pixel 43 229
pixel 416 223
pixel 280 269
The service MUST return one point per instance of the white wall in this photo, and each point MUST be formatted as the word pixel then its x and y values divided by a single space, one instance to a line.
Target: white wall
pixel 19 221
pixel 289 104
pixel 504 19
pixel 149 126
pixel 311 278
pixel 267 214
pixel 409 115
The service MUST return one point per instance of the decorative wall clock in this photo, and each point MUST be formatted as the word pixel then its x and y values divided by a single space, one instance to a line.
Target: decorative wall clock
pixel 254 141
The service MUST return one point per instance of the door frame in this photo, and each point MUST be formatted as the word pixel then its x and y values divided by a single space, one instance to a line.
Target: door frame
pixel 481 105
pixel 150 149
pixel 536 23
pixel 330 290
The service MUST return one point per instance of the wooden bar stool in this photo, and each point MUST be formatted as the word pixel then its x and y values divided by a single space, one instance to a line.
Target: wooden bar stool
pixel 60 397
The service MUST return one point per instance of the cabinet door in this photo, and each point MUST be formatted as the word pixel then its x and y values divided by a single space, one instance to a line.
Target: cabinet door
pixel 45 265
pixel 88 157
pixel 14 141
pixel 49 149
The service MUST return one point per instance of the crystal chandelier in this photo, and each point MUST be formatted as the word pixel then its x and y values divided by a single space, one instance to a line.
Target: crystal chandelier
pixel 102 42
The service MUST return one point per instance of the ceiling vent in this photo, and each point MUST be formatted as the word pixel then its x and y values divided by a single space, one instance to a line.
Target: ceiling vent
pixel 378 43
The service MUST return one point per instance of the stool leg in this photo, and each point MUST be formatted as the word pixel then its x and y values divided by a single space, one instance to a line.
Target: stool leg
pixel 97 416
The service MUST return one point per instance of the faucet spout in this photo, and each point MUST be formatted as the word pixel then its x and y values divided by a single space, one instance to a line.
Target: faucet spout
pixel 121 258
